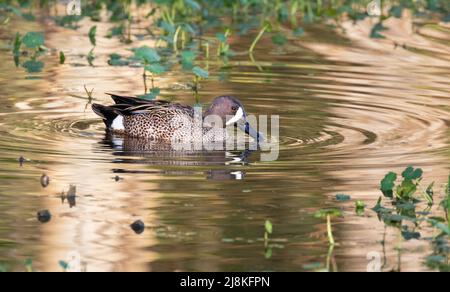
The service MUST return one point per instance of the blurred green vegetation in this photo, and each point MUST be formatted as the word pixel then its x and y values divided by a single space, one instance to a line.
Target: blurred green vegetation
pixel 185 30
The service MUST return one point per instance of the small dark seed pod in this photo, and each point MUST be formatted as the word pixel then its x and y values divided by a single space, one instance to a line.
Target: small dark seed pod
pixel 45 181
pixel 138 227
pixel 44 216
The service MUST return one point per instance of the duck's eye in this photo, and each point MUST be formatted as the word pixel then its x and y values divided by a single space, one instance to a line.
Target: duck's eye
pixel 234 108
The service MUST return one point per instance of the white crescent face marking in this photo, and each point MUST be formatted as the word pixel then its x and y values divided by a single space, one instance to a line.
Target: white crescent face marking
pixel 239 115
pixel 117 124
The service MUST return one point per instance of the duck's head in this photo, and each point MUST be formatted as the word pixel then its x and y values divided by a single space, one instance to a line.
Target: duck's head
pixel 232 112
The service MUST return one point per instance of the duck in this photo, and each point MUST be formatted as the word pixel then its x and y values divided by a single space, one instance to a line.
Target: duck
pixel 164 121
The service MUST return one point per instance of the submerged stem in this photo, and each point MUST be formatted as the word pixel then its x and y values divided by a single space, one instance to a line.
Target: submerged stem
pixel 330 231
pixel 258 37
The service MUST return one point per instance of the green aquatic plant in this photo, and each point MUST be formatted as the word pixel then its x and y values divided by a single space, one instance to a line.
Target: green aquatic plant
pixel 266 28
pixel 151 61
pixel 93 40
pixel 360 207
pixel 62 58
pixel 268 230
pixel 223 49
pixel 407 189
pixel 29 265
pixel 328 214
pixel 32 45
pixel 199 74
pixel 343 198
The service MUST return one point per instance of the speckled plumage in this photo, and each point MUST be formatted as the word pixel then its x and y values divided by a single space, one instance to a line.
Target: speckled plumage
pixel 165 121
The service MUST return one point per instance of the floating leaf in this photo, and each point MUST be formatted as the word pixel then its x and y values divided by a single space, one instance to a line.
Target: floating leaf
pixel 299 32
pixel 17 44
pixel 375 32
pixel 33 40
pixel 193 4
pixel 360 204
pixel 279 39
pixel 116 60
pixel 147 54
pixel 155 68
pixel 360 207
pixel 199 72
pixel 91 57
pixel 115 31
pixel 342 197
pixel 64 265
pixel 328 212
pixel 408 235
pixel 388 183
pixel 411 173
pixel 268 227
pixel 221 37
pixel 62 58
pixel 407 189
pixel 33 66
pixel 92 35
pixel 154 92
pixel 396 11
pixel 168 27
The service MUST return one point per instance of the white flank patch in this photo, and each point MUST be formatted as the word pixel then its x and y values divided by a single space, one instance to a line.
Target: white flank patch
pixel 239 115
pixel 117 124
pixel 238 175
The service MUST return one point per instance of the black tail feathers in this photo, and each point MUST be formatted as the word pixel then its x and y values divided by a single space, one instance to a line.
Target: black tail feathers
pixel 107 113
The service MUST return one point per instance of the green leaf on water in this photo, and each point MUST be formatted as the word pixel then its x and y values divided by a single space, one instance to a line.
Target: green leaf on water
pixel 29 265
pixel 62 58
pixel 193 4
pixel 439 225
pixel 360 204
pixel 33 40
pixel 221 37
pixel 155 68
pixel 407 189
pixel 153 94
pixel 33 66
pixel 376 29
pixel 343 198
pixel 91 57
pixel 92 35
pixel 64 265
pixel 268 227
pixel 411 173
pixel 199 72
pixel 328 212
pixel 299 32
pixel 116 31
pixel 17 44
pixel 116 60
pixel 279 39
pixel 360 207
pixel 188 56
pixel 148 55
pixel 408 235
pixel 168 27
pixel 396 11
pixel 387 184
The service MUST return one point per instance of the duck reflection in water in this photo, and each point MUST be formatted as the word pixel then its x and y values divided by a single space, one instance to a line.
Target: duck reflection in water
pixel 222 164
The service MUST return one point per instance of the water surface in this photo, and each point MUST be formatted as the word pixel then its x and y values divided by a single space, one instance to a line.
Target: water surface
pixel 351 109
